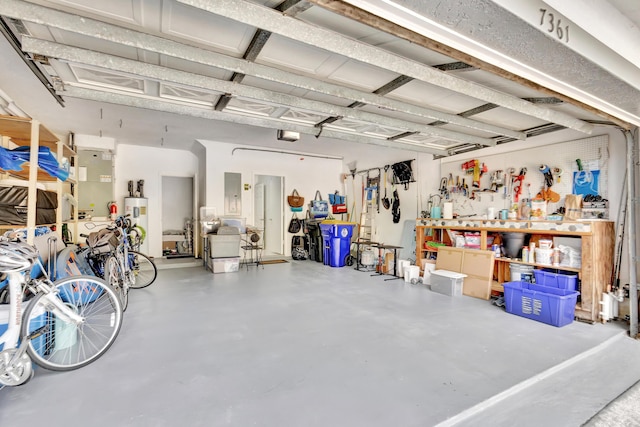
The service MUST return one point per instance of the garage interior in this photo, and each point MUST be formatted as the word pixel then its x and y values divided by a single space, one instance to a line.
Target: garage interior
pixel 321 95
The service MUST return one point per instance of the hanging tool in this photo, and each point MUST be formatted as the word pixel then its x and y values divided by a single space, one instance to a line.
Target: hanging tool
pixel 517 184
pixel 386 202
pixel 557 173
pixel 443 188
pixel 546 193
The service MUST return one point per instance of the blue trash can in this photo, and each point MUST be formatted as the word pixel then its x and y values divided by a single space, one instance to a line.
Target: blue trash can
pixel 336 237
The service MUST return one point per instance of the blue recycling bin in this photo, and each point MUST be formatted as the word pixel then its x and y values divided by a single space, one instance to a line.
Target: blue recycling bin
pixel 336 237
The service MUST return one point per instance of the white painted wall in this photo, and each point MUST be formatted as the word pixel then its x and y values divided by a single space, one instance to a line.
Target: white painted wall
pixel 308 174
pixel 150 164
pixel 304 173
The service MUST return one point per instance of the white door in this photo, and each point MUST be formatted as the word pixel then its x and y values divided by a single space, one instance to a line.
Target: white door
pixel 258 205
pixel 268 201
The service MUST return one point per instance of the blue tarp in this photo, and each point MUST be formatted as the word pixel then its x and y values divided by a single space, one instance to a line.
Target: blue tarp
pixel 12 160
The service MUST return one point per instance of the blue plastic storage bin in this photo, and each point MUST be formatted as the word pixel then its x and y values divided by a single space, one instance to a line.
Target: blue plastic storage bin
pixel 556 280
pixel 548 305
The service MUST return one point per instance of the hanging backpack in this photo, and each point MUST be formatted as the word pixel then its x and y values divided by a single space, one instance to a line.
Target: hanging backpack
pixel 402 173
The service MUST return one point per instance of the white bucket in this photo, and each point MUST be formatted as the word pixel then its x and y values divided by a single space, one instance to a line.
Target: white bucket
pixel 544 256
pixel 426 275
pixel 402 263
pixel 411 272
pixel 521 272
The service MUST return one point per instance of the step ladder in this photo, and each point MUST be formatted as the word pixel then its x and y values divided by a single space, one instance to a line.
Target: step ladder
pixel 366 225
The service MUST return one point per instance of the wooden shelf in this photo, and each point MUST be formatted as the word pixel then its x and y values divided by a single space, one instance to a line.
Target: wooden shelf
pixel 24 174
pixel 19 131
pixel 597 239
pixel 556 267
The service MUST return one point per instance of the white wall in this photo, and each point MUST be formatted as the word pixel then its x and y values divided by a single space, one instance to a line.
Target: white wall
pixel 304 173
pixel 150 164
pixel 309 174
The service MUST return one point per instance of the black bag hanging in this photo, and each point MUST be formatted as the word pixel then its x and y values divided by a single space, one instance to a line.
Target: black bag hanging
pixel 295 224
pixel 395 207
pixel 402 173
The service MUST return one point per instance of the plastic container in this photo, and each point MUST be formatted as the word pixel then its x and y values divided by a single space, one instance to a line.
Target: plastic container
pixel 545 243
pixel 225 265
pixel 336 237
pixel 426 275
pixel 447 282
pixel 552 306
pixel 521 272
pixel 402 264
pixel 411 272
pixel 544 256
pixel 556 280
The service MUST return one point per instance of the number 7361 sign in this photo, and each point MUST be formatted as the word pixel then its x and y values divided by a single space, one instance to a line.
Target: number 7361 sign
pixel 553 24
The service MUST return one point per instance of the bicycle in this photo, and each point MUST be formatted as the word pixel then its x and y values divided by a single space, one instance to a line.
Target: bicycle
pixel 144 269
pixel 64 325
pixel 111 258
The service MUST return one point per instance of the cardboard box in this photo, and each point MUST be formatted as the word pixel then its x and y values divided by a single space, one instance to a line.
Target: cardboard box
pixel 169 245
pixel 224 265
pixel 476 264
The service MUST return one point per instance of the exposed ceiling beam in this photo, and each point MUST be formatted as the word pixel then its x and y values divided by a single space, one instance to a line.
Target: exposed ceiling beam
pixel 253 50
pixel 385 89
pixel 263 17
pixel 112 33
pixel 293 7
pixel 382 22
pixel 177 108
pixel 455 66
pixel 160 73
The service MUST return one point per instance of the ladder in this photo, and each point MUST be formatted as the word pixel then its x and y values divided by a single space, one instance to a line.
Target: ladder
pixel 366 226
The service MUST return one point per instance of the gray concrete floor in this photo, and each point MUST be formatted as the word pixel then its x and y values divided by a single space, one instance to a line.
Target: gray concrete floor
pixel 302 344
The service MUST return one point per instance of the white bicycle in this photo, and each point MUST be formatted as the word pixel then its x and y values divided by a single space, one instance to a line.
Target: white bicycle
pixel 61 325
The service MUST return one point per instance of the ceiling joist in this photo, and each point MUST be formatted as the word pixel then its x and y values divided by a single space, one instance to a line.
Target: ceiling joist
pixel 160 74
pixel 268 19
pixel 104 31
pixel 188 110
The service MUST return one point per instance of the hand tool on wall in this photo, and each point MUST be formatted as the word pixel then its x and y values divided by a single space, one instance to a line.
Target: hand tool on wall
pixel 517 184
pixel 386 202
pixel 546 193
pixel 444 193
pixel 557 173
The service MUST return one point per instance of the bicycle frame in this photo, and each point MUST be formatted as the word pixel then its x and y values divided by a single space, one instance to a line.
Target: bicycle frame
pixel 12 338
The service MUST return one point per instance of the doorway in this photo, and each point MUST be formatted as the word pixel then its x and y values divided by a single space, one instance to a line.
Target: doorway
pixel 177 217
pixel 267 212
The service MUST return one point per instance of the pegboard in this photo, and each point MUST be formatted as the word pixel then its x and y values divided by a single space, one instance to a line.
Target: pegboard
pixel 593 153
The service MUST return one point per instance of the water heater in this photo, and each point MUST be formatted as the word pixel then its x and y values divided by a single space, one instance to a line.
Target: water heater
pixel 136 208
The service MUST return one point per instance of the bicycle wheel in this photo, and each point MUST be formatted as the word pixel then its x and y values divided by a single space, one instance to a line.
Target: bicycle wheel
pixel 113 276
pixel 144 270
pixel 64 346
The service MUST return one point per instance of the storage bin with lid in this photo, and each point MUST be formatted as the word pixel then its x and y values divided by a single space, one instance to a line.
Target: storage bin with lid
pixel 447 282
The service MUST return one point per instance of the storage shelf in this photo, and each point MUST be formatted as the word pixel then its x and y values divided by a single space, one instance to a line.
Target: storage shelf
pixel 557 267
pixel 19 131
pixel 597 239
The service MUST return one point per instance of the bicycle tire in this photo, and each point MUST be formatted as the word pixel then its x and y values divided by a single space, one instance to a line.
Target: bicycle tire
pixel 66 346
pixel 144 270
pixel 114 277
